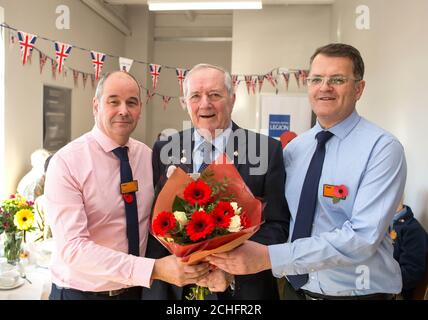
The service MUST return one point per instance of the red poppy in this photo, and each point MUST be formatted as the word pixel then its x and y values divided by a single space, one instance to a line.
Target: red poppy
pixel 197 192
pixel 164 222
pixel 200 225
pixel 340 192
pixel 128 197
pixel 245 221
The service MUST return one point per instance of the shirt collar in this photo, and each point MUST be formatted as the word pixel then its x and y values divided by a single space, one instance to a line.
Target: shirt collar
pixel 219 142
pixel 343 128
pixel 106 143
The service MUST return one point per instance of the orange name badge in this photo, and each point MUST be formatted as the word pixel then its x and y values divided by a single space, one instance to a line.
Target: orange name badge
pixel 328 191
pixel 129 187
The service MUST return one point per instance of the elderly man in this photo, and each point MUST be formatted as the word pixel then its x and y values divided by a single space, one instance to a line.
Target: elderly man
pixel 209 98
pixel 345 177
pixel 99 193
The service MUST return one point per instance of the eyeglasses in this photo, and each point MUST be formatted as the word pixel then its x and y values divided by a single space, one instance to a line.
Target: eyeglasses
pixel 334 81
pixel 211 97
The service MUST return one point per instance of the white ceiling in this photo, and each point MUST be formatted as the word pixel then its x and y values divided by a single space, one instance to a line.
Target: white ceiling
pixel 266 2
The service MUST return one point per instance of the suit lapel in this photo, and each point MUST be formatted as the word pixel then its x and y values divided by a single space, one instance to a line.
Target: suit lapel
pixel 239 149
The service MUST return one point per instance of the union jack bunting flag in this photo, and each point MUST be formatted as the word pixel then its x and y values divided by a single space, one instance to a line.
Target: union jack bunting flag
pixel 97 62
pixel 42 60
pixel 253 84
pixel 260 79
pixel 271 79
pixel 303 74
pixel 248 80
pixel 155 70
pixel 165 100
pixel 181 74
pixel 286 77
pixel 76 77
pixel 235 82
pixel 26 43
pixel 149 96
pixel 62 52
pixel 54 67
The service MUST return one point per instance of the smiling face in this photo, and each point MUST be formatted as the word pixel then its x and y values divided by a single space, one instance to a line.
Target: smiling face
pixel 118 109
pixel 209 104
pixel 332 104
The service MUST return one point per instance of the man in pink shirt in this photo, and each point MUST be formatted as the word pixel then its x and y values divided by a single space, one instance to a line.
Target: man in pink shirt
pixel 86 200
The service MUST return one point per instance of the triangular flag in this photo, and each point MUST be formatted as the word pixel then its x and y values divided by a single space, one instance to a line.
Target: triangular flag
pixel 149 96
pixel 84 77
pixel 296 75
pixel 26 43
pixel 248 83
pixel 62 52
pixel 286 77
pixel 125 64
pixel 54 67
pixel 42 60
pixel 97 62
pixel 235 82
pixel 155 70
pixel 165 100
pixel 93 80
pixel 260 79
pixel 181 74
pixel 253 84
pixel 12 38
pixel 76 78
pixel 272 80
pixel 303 74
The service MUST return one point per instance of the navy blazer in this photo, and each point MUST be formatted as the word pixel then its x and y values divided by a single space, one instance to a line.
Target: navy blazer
pixel 410 249
pixel 276 215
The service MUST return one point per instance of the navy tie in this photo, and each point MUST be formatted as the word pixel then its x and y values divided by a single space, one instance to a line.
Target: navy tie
pixel 308 201
pixel 132 226
pixel 208 152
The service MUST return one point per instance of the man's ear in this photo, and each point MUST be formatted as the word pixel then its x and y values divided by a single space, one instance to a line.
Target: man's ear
pixel 360 88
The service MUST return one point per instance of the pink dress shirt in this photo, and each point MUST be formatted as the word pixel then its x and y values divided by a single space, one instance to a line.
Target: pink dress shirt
pixel 87 214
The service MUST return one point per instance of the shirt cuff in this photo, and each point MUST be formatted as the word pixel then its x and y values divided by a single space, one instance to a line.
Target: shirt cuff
pixel 280 258
pixel 142 272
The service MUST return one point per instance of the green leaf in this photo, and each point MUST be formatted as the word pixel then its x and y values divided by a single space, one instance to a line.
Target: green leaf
pixel 335 200
pixel 178 204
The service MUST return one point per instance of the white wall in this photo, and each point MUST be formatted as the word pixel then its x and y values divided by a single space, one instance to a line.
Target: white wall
pixel 277 36
pixel 24 84
pixel 395 51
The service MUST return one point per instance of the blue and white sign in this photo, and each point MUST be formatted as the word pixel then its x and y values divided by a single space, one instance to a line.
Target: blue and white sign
pixel 278 123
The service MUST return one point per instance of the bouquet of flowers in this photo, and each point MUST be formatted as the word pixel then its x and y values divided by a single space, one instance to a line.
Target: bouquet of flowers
pixel 216 212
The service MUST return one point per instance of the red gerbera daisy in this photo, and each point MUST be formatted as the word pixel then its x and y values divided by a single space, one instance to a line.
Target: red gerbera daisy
pixel 245 221
pixel 164 222
pixel 222 214
pixel 200 225
pixel 197 192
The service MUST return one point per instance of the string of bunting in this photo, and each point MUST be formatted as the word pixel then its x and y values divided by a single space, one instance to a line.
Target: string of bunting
pixel 27 43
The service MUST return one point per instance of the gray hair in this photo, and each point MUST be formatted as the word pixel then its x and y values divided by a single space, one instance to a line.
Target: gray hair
pixel 100 85
pixel 227 77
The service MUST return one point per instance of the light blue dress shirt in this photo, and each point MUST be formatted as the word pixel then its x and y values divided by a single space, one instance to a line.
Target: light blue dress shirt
pixel 349 252
pixel 219 142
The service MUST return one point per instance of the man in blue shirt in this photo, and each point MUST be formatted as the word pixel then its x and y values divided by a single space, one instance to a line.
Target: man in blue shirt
pixel 347 253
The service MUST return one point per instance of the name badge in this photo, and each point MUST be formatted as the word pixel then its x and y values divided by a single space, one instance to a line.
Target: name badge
pixel 129 187
pixel 328 191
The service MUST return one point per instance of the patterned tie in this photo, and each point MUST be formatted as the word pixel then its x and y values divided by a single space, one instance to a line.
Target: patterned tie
pixel 132 226
pixel 308 201
pixel 208 152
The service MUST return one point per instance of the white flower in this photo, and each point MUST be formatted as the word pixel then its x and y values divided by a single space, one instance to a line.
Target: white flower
pixel 235 224
pixel 170 171
pixel 181 217
pixel 236 208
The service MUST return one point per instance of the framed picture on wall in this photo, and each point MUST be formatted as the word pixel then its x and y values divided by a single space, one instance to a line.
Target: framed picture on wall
pixel 56 117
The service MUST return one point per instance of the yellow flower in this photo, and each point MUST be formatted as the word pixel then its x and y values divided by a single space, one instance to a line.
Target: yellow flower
pixel 23 219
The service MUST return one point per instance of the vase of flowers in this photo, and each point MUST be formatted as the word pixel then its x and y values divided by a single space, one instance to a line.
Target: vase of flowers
pixel 16 218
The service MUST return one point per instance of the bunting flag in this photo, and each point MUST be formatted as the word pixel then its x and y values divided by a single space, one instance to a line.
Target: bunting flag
pixel 149 96
pixel 64 73
pixel 84 77
pixel 296 75
pixel 235 82
pixel 253 84
pixel 248 80
pixel 303 74
pixel 286 77
pixel 62 52
pixel 26 43
pixel 181 74
pixel 272 80
pixel 165 100
pixel 125 64
pixel 42 60
pixel 97 62
pixel 76 78
pixel 93 80
pixel 260 79
pixel 12 38
pixel 155 70
pixel 54 67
